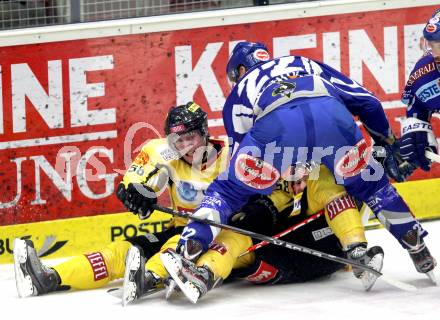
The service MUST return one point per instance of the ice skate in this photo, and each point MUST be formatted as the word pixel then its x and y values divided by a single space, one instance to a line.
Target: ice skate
pixel 194 281
pixel 137 281
pixel 420 255
pixel 170 288
pixel 372 257
pixel 31 276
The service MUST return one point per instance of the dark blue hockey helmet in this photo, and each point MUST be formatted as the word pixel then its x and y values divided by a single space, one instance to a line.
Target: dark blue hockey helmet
pixel 436 14
pixel 247 54
pixel 431 32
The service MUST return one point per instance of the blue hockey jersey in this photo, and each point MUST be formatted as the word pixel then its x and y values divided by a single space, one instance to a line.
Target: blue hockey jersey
pixel 287 104
pixel 422 90
pixel 251 96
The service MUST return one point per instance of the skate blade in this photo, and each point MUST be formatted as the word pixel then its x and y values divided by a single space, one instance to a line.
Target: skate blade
pixel 368 279
pixel 170 289
pixel 117 292
pixel 132 264
pixel 173 268
pixel 432 277
pixel 23 281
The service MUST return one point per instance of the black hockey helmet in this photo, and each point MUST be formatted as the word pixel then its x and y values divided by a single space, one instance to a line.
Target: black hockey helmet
pixel 185 118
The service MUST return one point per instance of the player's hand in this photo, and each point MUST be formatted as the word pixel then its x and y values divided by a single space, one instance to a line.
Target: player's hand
pixel 395 167
pixel 189 249
pixel 417 137
pixel 196 237
pixel 137 198
pixel 258 215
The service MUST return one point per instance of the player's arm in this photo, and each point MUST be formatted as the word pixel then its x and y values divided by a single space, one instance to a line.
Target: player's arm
pixel 364 105
pixel 141 183
pixel 262 212
pixel 361 103
pixel 416 134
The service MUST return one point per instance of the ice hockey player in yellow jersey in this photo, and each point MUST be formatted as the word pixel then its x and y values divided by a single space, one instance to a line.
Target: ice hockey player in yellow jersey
pixel 185 163
pixel 339 231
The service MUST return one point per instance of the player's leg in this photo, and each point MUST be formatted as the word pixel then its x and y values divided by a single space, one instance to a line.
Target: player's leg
pixel 364 179
pixel 344 219
pixel 196 279
pixel 144 271
pixel 87 271
pixel 32 277
pixel 279 265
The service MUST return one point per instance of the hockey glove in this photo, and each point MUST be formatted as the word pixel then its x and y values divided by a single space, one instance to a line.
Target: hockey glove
pixel 190 249
pixel 213 208
pixel 395 167
pixel 258 215
pixel 197 236
pixel 417 137
pixel 137 198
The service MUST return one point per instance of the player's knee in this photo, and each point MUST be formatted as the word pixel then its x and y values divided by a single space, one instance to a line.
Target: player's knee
pixel 114 258
pixel 382 198
pixel 148 242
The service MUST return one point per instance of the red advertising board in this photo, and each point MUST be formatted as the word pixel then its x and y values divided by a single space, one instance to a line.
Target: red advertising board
pixel 74 113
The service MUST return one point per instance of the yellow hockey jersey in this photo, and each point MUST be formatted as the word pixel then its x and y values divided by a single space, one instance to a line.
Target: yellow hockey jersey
pixel 159 167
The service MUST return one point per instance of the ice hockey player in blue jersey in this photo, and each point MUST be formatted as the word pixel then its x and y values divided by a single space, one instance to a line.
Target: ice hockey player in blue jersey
pixel 292 110
pixel 422 97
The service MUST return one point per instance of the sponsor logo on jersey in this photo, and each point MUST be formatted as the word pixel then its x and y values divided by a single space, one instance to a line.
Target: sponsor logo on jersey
pixel 375 202
pixel 354 161
pixel 255 173
pixel 434 19
pixel 406 98
pixel 429 91
pixel 186 191
pixel 264 273
pixel 169 154
pixel 261 55
pixel 141 159
pixel 98 265
pixel 211 202
pixel 423 70
pixel 219 248
pixel 431 28
pixel 322 233
pixel 339 205
pixel 285 89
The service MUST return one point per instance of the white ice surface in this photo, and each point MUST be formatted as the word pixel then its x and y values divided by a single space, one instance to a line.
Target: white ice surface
pixel 339 297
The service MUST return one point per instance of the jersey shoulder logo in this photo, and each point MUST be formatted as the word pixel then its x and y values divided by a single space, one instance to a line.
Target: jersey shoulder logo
pixel 285 89
pixel 354 161
pixel 255 172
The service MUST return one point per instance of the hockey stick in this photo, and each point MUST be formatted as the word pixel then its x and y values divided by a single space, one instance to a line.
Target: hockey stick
pixel 289 245
pixel 283 233
pixel 434 157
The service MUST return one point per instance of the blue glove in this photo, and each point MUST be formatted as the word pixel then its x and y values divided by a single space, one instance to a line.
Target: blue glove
pixel 417 137
pixel 395 167
pixel 137 198
pixel 200 235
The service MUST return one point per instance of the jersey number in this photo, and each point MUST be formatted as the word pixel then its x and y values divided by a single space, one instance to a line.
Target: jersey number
pixel 187 233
